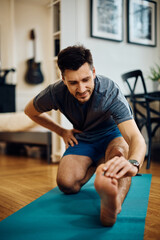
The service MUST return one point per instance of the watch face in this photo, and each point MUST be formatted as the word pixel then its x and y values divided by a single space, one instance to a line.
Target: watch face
pixel 134 162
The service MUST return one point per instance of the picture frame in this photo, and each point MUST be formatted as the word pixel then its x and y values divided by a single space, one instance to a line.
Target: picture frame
pixel 107 19
pixel 142 22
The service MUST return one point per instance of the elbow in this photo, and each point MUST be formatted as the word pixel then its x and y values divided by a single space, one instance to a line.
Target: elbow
pixel 29 109
pixel 26 111
pixel 143 144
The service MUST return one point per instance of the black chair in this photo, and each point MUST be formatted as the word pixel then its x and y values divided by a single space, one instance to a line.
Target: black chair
pixel 145 115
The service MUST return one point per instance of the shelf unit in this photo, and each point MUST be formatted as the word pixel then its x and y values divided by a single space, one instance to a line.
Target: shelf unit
pixel 56 5
pixel 56 16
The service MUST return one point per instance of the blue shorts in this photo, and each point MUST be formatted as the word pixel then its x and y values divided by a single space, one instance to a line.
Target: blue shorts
pixel 94 150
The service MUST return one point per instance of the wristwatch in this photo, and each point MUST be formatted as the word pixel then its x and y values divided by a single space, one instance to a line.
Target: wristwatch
pixel 134 163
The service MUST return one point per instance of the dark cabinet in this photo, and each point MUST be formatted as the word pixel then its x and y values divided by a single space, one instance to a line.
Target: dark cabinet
pixel 7 98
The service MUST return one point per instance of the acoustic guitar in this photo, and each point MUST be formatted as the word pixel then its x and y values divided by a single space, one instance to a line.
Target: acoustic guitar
pixel 33 74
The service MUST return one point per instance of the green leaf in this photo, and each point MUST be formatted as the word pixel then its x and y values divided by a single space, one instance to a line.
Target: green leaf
pixel 154 73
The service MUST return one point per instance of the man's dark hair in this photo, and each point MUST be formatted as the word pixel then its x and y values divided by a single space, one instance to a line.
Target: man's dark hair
pixel 74 57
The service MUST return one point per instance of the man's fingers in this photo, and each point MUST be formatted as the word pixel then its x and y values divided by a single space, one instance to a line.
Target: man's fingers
pixel 76 131
pixel 66 144
pixel 122 172
pixel 69 137
pixel 75 140
pixel 71 142
pixel 115 167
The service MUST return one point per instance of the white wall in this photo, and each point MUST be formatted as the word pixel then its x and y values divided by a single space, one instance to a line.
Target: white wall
pixel 17 18
pixel 110 58
pixel 32 15
pixel 6 34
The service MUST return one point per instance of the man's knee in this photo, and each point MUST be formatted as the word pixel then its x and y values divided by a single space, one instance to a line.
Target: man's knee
pixel 118 147
pixel 68 185
pixel 119 151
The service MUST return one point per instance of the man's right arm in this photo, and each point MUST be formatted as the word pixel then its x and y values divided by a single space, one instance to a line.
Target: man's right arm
pixel 42 119
pixel 46 121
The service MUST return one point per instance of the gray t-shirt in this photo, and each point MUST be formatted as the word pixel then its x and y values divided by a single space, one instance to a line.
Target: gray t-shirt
pixel 106 108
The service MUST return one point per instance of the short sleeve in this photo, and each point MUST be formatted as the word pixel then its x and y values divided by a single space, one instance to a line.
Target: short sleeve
pixel 119 109
pixel 45 101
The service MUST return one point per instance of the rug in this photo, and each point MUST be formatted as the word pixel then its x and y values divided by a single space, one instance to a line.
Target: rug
pixel 55 216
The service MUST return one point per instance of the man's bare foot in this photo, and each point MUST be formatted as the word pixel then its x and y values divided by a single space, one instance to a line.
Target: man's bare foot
pixel 107 188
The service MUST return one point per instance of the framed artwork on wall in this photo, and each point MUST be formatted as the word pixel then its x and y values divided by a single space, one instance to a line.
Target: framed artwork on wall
pixel 142 22
pixel 107 19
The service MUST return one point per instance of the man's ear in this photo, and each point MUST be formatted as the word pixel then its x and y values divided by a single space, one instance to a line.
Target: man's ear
pixel 63 79
pixel 94 72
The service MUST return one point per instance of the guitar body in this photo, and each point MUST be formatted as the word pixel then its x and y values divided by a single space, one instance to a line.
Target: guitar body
pixel 33 74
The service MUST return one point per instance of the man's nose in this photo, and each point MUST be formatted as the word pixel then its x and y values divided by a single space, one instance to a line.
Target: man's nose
pixel 81 87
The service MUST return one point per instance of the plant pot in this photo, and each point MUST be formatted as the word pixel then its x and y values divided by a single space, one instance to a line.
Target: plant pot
pixel 158 85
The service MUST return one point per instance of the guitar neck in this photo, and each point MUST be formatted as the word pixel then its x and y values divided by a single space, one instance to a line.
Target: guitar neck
pixel 34 49
pixel 33 38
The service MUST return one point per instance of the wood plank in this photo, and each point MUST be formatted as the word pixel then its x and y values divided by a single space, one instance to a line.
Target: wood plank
pixel 22 181
pixel 152 226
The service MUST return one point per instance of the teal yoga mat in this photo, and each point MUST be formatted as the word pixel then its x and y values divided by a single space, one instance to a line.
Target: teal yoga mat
pixel 55 216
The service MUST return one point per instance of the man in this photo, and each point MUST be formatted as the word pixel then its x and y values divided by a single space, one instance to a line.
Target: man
pixel 105 137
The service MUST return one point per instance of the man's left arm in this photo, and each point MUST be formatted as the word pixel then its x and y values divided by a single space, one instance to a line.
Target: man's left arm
pixel 135 140
pixel 137 150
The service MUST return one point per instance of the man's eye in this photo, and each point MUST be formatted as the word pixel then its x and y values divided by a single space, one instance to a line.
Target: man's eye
pixel 86 80
pixel 72 83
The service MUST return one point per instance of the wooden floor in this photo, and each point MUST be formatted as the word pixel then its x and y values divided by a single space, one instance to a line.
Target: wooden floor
pixel 23 180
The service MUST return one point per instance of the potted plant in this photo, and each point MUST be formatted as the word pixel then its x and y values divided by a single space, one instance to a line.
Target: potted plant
pixel 155 74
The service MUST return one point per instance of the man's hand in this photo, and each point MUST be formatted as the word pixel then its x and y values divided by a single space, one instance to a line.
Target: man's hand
pixel 119 167
pixel 69 138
